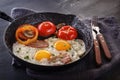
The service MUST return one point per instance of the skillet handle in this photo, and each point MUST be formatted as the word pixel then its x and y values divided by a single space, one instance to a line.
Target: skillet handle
pixel 5 17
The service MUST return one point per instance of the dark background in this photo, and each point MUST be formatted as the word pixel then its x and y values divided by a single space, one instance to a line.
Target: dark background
pixel 81 8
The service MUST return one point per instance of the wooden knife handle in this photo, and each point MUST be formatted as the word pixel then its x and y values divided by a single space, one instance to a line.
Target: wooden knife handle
pixel 97 52
pixel 104 46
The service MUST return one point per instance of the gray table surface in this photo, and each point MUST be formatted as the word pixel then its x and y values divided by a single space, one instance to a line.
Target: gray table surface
pixel 81 8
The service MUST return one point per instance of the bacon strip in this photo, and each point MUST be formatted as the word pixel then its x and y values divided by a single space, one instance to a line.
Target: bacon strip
pixel 39 44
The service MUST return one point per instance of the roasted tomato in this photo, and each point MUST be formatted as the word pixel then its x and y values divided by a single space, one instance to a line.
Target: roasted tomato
pixel 46 28
pixel 67 33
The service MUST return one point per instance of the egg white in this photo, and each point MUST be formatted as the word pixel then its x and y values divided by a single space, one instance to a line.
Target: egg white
pixel 77 49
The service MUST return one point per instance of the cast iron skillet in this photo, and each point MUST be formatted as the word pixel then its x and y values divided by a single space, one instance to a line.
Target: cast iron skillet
pixel 84 33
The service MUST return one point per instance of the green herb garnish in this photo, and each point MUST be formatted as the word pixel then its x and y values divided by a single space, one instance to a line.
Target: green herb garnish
pixel 68 49
pixel 26 57
pixel 17 51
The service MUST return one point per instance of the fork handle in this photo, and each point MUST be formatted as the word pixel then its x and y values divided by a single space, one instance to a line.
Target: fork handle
pixel 104 46
pixel 97 52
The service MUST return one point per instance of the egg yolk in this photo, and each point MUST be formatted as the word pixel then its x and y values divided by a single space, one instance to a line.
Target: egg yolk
pixel 62 45
pixel 42 54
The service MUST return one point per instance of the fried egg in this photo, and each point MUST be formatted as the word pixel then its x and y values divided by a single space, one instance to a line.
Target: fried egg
pixel 41 54
pixel 75 48
pixel 62 45
pixel 54 54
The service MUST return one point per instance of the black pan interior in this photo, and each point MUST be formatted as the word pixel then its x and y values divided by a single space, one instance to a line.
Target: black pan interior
pixel 56 18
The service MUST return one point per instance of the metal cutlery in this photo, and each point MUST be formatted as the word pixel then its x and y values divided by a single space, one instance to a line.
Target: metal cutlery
pixel 98 38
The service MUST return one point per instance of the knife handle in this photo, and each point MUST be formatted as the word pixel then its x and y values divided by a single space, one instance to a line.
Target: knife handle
pixel 104 46
pixel 97 52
